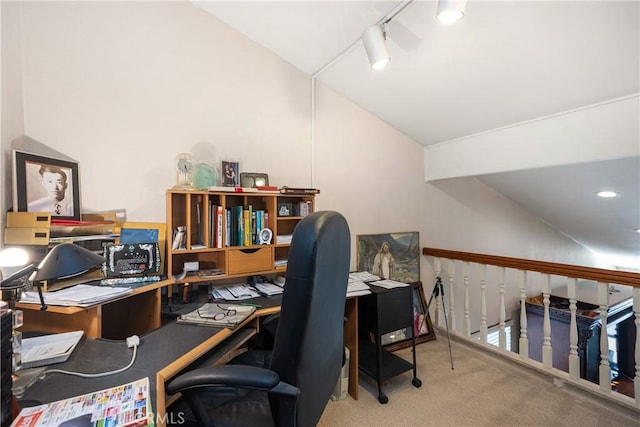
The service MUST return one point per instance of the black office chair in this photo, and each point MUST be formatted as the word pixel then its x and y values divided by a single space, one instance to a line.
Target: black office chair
pixel 308 349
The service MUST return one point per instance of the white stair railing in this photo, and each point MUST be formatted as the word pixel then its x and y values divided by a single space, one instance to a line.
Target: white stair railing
pixel 513 285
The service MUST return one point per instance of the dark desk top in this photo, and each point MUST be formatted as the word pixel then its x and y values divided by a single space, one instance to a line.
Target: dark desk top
pixel 157 349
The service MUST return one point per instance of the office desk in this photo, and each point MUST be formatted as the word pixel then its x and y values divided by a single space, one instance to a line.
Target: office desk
pixel 162 354
pixel 134 314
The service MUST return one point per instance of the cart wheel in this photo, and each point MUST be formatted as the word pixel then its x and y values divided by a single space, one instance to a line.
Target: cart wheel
pixel 382 398
pixel 416 383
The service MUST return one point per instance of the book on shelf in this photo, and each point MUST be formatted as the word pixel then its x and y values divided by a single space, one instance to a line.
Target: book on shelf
pixel 268 188
pixel 232 189
pixel 298 190
pixel 246 226
pixel 179 238
pixel 280 263
pixel 228 225
pixel 219 225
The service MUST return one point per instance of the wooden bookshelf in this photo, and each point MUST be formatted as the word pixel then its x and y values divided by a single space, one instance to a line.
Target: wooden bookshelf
pixel 227 251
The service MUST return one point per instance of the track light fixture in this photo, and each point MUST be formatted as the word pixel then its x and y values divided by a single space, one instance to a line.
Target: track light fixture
pixel 450 11
pixel 374 43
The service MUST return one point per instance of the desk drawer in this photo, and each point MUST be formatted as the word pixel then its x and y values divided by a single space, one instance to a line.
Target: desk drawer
pixel 250 260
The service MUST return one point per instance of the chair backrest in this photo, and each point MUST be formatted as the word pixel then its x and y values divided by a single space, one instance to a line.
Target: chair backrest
pixel 309 344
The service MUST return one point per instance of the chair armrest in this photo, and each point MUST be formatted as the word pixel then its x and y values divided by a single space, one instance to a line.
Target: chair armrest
pixel 232 375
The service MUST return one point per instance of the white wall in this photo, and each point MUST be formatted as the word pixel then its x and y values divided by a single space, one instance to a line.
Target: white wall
pixel 124 87
pixel 11 117
pixel 610 129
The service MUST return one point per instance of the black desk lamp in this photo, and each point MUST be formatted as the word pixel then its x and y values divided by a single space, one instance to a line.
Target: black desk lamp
pixel 63 261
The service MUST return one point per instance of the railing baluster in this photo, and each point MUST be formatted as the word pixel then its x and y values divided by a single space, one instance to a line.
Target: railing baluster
pixel 574 276
pixel 636 312
pixel 574 359
pixel 438 315
pixel 467 317
pixel 502 335
pixel 547 351
pixel 524 341
pixel 451 296
pixel 483 303
pixel 605 369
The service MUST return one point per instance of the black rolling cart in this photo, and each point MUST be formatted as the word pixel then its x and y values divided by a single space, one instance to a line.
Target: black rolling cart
pixel 379 313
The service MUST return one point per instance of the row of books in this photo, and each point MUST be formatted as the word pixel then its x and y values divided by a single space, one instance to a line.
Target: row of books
pixel 244 225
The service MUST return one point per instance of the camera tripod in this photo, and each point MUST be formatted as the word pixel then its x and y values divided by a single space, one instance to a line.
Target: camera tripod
pixel 438 289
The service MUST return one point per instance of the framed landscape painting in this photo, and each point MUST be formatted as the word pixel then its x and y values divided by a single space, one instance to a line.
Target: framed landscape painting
pixel 394 256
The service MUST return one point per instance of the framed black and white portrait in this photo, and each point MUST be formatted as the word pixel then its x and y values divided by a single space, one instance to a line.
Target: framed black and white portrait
pixel 45 184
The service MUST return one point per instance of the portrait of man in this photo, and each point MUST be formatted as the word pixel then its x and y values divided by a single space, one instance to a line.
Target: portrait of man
pixel 48 189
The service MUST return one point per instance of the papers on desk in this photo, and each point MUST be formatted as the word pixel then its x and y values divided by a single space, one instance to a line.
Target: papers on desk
pixel 216 314
pixel 356 284
pixel 234 292
pixel 79 295
pixel 243 291
pixel 49 349
pixel 357 287
pixel 124 405
pixel 363 276
pixel 389 284
pixel 268 289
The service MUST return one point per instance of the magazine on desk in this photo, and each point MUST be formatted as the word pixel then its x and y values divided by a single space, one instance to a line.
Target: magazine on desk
pixel 123 405
pixel 218 314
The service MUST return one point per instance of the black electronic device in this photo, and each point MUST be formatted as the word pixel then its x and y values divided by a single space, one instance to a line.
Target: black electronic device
pixel 6 363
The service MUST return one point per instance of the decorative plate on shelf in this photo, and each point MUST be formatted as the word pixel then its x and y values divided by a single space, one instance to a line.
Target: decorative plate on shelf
pixel 204 176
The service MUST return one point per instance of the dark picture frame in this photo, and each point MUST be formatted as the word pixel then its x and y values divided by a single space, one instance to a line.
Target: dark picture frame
pixel 422 324
pixel 29 193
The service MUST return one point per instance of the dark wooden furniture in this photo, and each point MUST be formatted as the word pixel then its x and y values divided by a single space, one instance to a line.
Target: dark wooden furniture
pixel 382 312
pixel 620 329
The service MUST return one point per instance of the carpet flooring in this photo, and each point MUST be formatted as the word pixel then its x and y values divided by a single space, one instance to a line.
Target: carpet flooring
pixel 481 390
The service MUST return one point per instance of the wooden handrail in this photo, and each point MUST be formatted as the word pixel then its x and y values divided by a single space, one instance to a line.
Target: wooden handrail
pixel 568 270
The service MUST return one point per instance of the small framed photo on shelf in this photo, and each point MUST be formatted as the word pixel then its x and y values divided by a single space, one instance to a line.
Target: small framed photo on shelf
pixel 45 184
pixel 285 209
pixel 230 173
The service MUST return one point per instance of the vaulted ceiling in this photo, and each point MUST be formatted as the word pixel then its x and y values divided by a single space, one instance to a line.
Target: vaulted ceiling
pixel 506 62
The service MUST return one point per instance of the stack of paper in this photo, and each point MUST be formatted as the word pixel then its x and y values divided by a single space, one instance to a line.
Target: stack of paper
pixel 284 239
pixel 79 295
pixel 234 292
pixel 280 263
pixel 357 287
pixel 363 276
pixel 268 289
pixel 389 284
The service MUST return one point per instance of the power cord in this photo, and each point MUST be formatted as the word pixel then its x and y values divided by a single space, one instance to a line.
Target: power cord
pixel 132 342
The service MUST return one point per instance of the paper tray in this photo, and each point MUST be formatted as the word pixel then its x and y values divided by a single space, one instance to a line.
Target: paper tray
pixel 49 349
